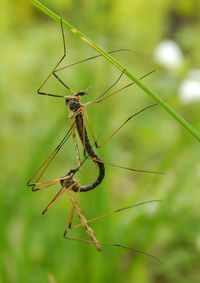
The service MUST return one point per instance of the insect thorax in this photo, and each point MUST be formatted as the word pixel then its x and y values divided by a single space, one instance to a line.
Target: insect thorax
pixel 73 103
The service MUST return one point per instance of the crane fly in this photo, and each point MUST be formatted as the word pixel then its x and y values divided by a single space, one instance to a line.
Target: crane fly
pixel 77 118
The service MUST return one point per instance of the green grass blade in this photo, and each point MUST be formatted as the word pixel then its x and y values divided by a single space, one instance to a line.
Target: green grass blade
pixel 140 84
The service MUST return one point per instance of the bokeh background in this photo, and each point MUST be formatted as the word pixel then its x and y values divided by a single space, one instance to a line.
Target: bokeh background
pixel 161 35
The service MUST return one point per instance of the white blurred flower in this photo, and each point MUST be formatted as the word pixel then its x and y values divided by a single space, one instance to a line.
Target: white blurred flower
pixel 169 55
pixel 189 89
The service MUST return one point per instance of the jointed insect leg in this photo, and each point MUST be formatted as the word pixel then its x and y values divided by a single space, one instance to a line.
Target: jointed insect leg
pixel 88 59
pixel 74 139
pixel 58 195
pixel 98 100
pixel 69 220
pixel 90 128
pixel 40 171
pixel 123 124
pixel 84 223
pixel 53 71
pixel 107 90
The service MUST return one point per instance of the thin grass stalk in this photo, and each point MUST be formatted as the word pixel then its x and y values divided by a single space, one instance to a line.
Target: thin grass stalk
pixel 113 61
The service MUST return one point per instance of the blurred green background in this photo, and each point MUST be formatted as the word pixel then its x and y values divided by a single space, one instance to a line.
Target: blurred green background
pixel 32 248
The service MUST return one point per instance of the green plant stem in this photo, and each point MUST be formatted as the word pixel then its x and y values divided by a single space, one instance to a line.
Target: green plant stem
pixel 140 84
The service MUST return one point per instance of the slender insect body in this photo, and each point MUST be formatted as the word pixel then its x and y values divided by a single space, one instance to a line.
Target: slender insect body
pixel 73 102
pixel 87 227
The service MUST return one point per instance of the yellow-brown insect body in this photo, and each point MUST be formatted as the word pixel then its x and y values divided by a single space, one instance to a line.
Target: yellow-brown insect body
pixel 88 228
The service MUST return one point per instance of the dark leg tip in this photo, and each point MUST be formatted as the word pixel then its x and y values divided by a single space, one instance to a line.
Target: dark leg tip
pixel 34 189
pixel 96 144
pixel 65 234
pixel 44 211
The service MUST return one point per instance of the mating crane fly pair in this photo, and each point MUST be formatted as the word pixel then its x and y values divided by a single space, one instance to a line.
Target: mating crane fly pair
pixel 77 118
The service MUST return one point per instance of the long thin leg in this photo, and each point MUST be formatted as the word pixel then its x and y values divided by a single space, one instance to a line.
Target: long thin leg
pixel 84 222
pixel 69 221
pixel 123 124
pixel 105 141
pixel 128 168
pixel 58 195
pixel 63 83
pixel 101 97
pixel 73 208
pixel 90 128
pixel 46 184
pixel 70 218
pixel 75 63
pixel 40 171
pixel 65 188
pixel 88 59
pixel 98 100
pixel 107 90
pixel 74 139
pixel 115 132
pixel 116 245
pixel 52 72
pixel 114 211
